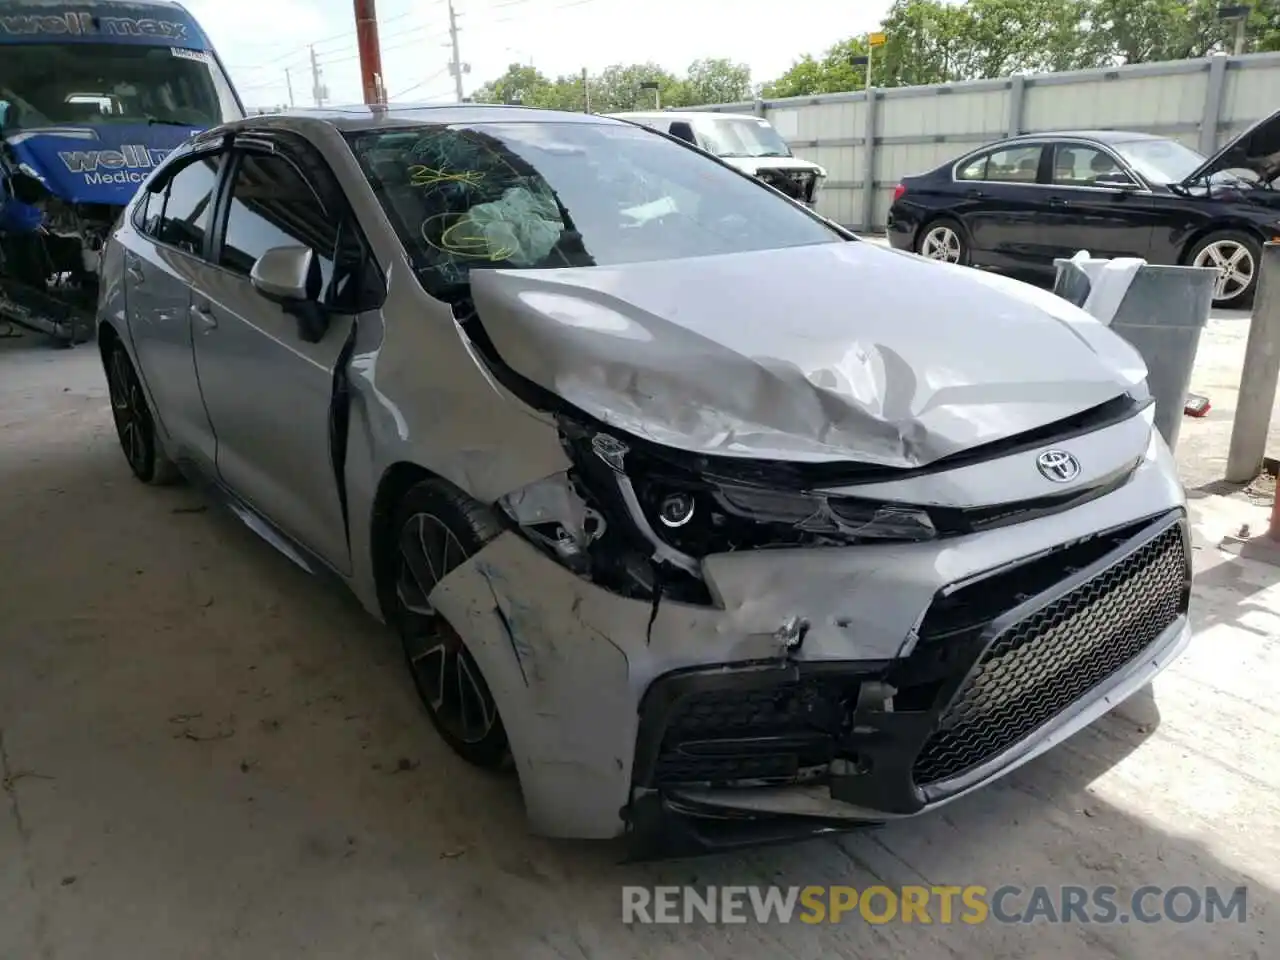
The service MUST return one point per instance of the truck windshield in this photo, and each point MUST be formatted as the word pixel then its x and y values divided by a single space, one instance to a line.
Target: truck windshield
pixel 742 137
pixel 52 84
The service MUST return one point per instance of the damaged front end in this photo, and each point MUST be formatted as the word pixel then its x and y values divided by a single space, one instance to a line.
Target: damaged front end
pixel 50 250
pixel 843 714
pixel 798 568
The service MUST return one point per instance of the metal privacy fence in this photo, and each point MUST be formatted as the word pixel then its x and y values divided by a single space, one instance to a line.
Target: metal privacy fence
pixel 868 140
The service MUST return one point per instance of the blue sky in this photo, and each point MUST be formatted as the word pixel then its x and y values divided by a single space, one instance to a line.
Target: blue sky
pixel 261 39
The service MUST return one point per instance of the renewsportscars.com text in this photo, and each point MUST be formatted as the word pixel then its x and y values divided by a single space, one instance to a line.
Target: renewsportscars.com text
pixel 970 905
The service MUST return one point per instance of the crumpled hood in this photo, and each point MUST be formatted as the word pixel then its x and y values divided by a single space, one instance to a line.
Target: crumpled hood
pixel 841 351
pixel 99 163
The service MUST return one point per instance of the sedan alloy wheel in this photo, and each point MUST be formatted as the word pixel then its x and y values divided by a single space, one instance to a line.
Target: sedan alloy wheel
pixel 1235 265
pixel 942 242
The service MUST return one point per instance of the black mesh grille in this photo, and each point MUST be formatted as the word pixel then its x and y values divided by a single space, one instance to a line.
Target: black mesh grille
pixel 1041 665
pixel 769 733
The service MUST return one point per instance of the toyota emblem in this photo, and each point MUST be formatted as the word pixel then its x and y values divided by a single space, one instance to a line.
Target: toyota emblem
pixel 1058 466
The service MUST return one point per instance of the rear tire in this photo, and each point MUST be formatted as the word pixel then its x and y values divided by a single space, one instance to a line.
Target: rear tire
pixel 436 529
pixel 1236 256
pixel 943 240
pixel 135 426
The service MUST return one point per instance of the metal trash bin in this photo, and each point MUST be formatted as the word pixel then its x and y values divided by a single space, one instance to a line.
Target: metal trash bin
pixel 1160 310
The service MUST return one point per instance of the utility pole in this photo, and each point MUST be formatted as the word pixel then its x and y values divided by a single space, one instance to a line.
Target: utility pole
pixel 586 92
pixel 370 51
pixel 318 91
pixel 288 82
pixel 455 64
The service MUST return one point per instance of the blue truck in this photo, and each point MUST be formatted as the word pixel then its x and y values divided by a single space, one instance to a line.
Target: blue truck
pixel 93 95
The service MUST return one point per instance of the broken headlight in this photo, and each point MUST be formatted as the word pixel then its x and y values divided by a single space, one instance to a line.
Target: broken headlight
pixel 642 525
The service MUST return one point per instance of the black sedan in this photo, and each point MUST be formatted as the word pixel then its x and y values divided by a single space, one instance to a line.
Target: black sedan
pixel 1020 203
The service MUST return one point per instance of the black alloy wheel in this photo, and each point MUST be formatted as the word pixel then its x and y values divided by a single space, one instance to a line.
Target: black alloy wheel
pixel 134 424
pixel 437 529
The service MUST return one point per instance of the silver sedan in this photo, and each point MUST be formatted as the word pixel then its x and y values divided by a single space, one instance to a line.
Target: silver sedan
pixel 713 521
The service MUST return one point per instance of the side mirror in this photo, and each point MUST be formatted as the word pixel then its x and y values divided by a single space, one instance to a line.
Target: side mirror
pixel 287 274
pixel 290 276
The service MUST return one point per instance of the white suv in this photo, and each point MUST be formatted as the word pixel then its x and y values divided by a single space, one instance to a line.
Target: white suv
pixel 747 142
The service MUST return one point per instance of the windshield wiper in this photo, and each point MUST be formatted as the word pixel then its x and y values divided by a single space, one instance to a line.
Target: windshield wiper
pixel 164 122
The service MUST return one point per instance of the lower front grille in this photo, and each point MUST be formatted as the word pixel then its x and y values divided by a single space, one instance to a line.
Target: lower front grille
pixel 797 184
pixel 771 734
pixel 1041 665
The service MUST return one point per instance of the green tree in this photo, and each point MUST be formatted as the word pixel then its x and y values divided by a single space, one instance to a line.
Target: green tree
pixel 1010 36
pixel 940 41
pixel 520 84
pixel 1142 31
pixel 526 85
pixel 926 41
pixel 717 80
pixel 617 88
pixel 836 71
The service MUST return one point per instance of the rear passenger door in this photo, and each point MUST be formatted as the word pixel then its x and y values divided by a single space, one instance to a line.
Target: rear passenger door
pixel 1000 203
pixel 163 254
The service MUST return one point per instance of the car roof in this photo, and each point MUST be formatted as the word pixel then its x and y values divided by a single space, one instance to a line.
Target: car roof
pixel 365 117
pixel 690 115
pixel 1101 136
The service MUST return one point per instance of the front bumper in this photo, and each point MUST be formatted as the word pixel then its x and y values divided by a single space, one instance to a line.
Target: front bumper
pixel 928 670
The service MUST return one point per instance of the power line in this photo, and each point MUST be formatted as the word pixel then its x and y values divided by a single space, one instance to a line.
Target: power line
pixel 387 49
pixel 517 3
pixel 302 49
pixel 435 76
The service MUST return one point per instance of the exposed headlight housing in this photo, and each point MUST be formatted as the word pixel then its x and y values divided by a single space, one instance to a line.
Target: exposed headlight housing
pixel 642 526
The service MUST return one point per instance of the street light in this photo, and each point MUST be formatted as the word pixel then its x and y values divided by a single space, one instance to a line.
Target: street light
pixel 1239 15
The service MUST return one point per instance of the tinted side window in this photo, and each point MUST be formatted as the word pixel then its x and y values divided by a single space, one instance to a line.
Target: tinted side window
pixel 683 130
pixel 975 169
pixel 188 202
pixel 272 206
pixel 1014 165
pixel 1080 166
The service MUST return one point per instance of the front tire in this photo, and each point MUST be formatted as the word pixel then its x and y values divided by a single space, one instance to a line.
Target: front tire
pixel 437 528
pixel 1236 257
pixel 134 424
pixel 943 240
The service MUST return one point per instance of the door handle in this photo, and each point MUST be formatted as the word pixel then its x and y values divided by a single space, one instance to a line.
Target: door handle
pixel 1057 202
pixel 975 195
pixel 204 316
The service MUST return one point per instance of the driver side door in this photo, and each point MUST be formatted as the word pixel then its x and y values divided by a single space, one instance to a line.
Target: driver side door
pixel 269 393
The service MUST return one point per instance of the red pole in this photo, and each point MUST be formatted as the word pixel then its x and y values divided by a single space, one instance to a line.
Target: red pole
pixel 370 52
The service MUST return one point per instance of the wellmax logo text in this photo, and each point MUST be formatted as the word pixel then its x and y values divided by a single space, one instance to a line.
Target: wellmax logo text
pixel 129 164
pixel 89 25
